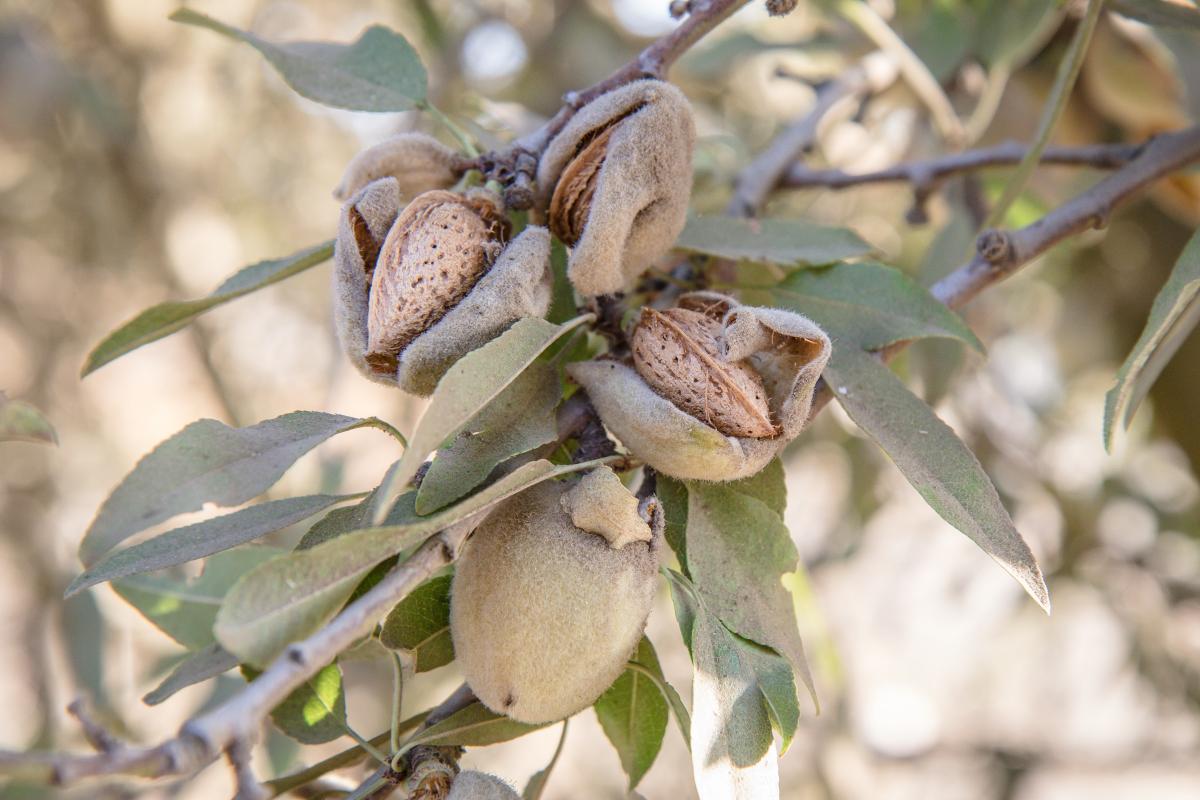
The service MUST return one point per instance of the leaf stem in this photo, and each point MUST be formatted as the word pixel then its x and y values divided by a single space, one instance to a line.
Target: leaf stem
pixel 457 132
pixel 397 698
pixel 1060 93
pixel 388 428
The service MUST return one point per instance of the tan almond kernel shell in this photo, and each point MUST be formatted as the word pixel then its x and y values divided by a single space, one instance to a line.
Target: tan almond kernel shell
pixel 677 352
pixel 576 186
pixel 439 247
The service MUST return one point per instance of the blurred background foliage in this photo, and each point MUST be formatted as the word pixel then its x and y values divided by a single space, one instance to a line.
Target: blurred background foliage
pixel 142 161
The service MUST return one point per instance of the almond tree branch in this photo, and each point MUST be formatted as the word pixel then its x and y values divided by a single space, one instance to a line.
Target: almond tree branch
pixel 927 176
pixel 233 725
pixel 1000 253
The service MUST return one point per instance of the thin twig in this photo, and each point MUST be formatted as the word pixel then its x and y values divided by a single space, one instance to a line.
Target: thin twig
pixel 756 181
pixel 236 722
pixel 1001 253
pixel 927 176
pixel 652 62
pixel 916 74
pixel 1060 94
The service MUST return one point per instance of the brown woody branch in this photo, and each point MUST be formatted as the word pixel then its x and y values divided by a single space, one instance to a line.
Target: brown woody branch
pixel 1000 253
pixel 927 176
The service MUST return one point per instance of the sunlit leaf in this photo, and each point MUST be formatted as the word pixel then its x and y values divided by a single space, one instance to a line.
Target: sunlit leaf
pixel 21 422
pixel 738 551
pixel 470 385
pixel 633 714
pixel 196 668
pixel 164 319
pixel 420 624
pixel 473 726
pixel 202 539
pixel 518 420
pixel 291 596
pixel 933 459
pixel 733 751
pixel 870 304
pixel 1173 317
pixel 183 609
pixel 787 242
pixel 207 462
pixel 315 712
pixel 379 71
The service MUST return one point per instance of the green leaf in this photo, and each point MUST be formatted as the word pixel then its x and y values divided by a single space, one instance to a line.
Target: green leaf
pixel 787 242
pixel 1006 27
pixel 164 319
pixel 379 71
pixel 196 668
pixel 1160 13
pixel 185 610
pixel 420 623
pixel 315 712
pixel 87 639
pixel 202 539
pixel 633 714
pixel 537 781
pixel 207 462
pixel 21 422
pixel 292 596
pixel 473 726
pixel 465 390
pixel 337 522
pixel 1173 317
pixel 673 496
pixel 518 420
pixel 733 752
pixel 870 304
pixel 933 459
pixel 738 553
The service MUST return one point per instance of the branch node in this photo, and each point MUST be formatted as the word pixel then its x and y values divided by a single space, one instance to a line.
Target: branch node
pixel 96 734
pixel 248 787
pixel 679 7
pixel 296 655
pixel 994 246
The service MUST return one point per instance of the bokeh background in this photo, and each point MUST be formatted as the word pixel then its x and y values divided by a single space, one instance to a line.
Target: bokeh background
pixel 142 161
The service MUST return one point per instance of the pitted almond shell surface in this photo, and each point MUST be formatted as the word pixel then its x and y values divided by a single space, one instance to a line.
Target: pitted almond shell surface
pixel 678 353
pixel 439 247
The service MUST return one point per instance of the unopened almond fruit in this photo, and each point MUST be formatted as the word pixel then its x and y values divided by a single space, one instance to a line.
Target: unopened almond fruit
pixel 678 353
pixel 436 251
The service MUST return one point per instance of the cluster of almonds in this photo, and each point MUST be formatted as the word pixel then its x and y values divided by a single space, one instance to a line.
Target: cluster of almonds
pixel 552 592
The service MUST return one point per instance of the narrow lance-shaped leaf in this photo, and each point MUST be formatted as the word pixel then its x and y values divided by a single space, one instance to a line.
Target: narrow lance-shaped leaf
pixel 518 420
pixel 787 242
pixel 871 304
pixel 164 319
pixel 469 386
pixel 473 726
pixel 1173 317
pixel 196 668
pixel 934 460
pixel 183 609
pixel 291 596
pixel 379 71
pixel 420 624
pixel 202 539
pixel 633 714
pixel 208 462
pixel 537 782
pixel 21 422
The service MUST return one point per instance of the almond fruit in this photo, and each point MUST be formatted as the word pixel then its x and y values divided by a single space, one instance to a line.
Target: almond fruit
pixel 440 245
pixel 679 355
